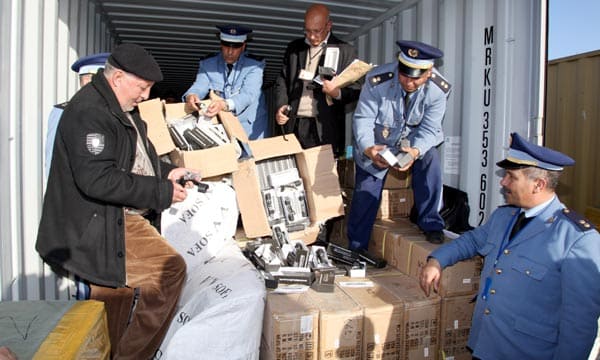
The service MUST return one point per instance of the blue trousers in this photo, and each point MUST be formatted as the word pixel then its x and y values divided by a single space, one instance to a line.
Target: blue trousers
pixel 427 190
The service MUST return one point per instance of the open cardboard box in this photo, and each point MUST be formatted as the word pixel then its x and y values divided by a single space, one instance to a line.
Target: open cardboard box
pixel 317 169
pixel 210 162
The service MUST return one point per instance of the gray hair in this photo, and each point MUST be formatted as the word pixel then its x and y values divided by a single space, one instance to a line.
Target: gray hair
pixel 550 176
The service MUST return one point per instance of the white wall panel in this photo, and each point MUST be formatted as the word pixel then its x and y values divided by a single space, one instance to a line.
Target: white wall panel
pixel 39 42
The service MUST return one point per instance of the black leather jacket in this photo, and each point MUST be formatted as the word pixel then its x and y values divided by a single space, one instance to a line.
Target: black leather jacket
pixel 90 182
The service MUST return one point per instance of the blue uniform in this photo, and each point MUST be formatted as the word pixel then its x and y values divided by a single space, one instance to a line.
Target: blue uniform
pixel 53 120
pixel 382 118
pixel 540 292
pixel 241 89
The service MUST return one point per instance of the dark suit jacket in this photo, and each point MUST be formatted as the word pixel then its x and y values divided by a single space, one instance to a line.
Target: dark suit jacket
pixel 288 90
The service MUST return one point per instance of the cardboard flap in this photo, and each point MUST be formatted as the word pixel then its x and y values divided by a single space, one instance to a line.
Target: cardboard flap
pixel 208 162
pixel 151 112
pixel 174 111
pixel 230 122
pixel 233 126
pixel 249 197
pixel 275 146
pixel 320 176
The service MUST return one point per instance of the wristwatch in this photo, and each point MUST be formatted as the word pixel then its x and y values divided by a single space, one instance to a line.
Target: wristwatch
pixel 226 107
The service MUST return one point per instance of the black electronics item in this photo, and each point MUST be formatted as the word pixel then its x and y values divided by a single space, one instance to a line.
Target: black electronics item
pixel 189 176
pixel 179 140
pixel 286 110
pixel 341 254
pixel 197 137
pixel 371 259
pixel 326 73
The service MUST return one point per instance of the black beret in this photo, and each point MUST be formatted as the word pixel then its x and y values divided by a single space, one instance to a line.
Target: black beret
pixel 136 60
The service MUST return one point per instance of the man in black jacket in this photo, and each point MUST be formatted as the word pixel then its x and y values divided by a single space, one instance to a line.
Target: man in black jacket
pixel 104 179
pixel 311 118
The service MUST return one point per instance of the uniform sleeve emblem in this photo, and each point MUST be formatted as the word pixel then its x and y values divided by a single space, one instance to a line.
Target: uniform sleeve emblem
pixel 95 143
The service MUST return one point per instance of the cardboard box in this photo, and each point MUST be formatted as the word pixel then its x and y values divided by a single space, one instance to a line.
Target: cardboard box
pixel 340 325
pixel 290 328
pixel 393 241
pixel 395 179
pixel 394 204
pixel 382 320
pixel 421 316
pixel 455 325
pixel 316 167
pixel 462 278
pixel 404 247
pixel 210 162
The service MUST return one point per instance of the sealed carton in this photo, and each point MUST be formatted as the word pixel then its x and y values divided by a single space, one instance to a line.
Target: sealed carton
pixel 340 325
pixel 404 247
pixel 394 180
pixel 455 325
pixel 382 318
pixel 290 328
pixel 420 339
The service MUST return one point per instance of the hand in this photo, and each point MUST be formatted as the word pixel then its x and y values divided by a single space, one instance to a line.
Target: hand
pixel 179 191
pixel 331 89
pixel 7 354
pixel 414 153
pixel 429 275
pixel 280 116
pixel 191 102
pixel 215 107
pixel 372 153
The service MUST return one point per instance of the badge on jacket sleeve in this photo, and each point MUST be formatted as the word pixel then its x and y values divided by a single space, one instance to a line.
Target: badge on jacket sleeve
pixel 95 143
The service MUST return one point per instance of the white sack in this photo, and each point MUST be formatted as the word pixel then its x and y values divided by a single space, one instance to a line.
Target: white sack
pixel 220 311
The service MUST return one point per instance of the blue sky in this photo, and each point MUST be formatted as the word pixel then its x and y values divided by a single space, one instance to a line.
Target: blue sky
pixel 574 27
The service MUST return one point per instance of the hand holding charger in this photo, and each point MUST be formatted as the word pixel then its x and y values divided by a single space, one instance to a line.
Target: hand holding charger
pixel 401 159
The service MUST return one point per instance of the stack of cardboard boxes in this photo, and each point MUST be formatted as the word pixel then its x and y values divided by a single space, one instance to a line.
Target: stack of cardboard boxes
pixel 383 316
pixel 401 244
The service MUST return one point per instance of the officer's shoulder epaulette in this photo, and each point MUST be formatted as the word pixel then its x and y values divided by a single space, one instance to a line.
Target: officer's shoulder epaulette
pixel 62 105
pixel 579 220
pixel 439 80
pixel 380 78
pixel 255 57
pixel 506 205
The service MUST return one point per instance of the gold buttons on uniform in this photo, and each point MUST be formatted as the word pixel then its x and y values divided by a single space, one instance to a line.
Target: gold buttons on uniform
pixel 498 271
pixel 492 291
pixel 487 311
pixel 506 251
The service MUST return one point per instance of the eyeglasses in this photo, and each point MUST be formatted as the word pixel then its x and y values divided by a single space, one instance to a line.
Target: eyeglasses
pixel 315 32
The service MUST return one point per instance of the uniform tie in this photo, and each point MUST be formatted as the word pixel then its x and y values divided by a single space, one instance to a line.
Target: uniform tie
pixel 229 68
pixel 519 224
pixel 406 104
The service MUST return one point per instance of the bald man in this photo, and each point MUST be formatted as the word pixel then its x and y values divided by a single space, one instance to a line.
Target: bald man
pixel 300 86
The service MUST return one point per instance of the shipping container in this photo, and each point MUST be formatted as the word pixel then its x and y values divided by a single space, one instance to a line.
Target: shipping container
pixel 495 55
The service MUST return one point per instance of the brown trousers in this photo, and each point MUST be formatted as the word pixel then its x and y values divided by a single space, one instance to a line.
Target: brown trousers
pixel 155 275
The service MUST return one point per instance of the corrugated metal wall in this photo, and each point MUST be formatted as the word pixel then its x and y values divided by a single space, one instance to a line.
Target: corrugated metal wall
pixel 39 42
pixel 493 51
pixel 573 125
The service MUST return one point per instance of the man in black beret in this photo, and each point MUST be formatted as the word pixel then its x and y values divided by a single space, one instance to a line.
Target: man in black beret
pixel 105 185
